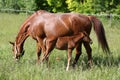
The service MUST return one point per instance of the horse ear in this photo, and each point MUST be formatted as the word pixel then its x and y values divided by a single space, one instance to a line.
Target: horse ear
pixel 12 43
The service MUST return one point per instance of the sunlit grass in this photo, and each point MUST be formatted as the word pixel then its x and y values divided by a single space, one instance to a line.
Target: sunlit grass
pixel 104 67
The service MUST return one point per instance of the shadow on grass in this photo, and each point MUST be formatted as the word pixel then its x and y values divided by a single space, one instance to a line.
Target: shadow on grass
pixel 106 61
pixel 100 61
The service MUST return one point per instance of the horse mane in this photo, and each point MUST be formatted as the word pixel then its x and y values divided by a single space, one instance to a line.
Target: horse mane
pixel 32 16
pixel 24 27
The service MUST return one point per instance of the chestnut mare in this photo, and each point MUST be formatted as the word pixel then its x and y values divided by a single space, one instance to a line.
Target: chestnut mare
pixel 69 42
pixel 43 24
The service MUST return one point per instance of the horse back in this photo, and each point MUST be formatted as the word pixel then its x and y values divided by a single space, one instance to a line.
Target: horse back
pixel 58 25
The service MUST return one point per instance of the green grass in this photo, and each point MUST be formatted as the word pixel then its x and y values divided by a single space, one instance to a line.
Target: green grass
pixel 104 67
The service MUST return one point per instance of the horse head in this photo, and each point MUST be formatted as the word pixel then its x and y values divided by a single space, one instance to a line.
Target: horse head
pixel 17 50
pixel 86 38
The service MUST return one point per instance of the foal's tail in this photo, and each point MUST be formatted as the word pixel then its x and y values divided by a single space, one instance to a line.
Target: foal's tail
pixel 98 27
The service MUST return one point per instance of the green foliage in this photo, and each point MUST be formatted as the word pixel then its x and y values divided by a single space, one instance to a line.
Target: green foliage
pixel 82 6
pixel 57 5
pixel 41 4
pixel 117 9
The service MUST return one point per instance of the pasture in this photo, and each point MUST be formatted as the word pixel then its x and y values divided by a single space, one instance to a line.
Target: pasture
pixel 105 67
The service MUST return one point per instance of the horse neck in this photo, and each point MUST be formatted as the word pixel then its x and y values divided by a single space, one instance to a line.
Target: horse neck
pixel 20 39
pixel 22 35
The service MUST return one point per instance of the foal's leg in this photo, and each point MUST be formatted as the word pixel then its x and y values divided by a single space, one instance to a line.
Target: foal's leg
pixel 89 52
pixel 50 44
pixel 78 53
pixel 69 58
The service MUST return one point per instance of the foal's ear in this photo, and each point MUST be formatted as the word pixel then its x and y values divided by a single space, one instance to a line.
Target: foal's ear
pixel 12 43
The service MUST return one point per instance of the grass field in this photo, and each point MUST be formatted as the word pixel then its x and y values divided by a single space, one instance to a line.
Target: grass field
pixel 104 67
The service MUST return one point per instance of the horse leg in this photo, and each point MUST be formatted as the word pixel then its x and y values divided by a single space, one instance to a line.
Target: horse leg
pixel 38 52
pixel 40 46
pixel 69 58
pixel 78 53
pixel 89 52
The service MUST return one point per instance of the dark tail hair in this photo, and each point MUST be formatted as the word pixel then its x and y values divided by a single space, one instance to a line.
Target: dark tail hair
pixel 100 32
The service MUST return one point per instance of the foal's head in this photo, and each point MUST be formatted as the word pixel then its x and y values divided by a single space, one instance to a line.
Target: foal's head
pixel 86 38
pixel 17 50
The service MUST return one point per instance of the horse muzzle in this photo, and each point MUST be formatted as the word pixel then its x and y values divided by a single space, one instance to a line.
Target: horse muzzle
pixel 16 58
pixel 19 55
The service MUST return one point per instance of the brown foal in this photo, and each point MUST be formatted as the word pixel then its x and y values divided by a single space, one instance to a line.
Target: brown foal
pixel 69 43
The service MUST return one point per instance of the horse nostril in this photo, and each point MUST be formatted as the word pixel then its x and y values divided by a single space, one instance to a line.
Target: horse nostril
pixel 17 57
pixel 91 42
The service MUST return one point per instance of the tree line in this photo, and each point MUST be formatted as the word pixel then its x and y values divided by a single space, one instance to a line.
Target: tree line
pixel 81 6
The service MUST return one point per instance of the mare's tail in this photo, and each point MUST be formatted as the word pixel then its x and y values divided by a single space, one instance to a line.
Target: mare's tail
pixel 98 28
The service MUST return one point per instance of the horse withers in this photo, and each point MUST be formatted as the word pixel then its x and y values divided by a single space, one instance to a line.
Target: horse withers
pixel 69 43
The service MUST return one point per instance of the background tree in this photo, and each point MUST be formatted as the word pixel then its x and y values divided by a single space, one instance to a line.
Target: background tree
pixel 58 5
pixel 81 6
pixel 41 4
